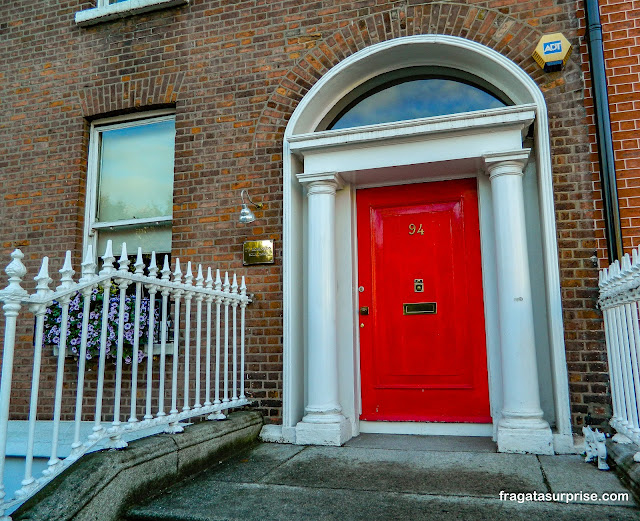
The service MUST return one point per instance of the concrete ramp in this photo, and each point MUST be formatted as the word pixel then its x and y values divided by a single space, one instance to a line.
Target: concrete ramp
pixel 390 478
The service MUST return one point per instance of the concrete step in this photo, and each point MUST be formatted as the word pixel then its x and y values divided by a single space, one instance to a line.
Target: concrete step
pixel 101 485
pixel 363 482
pixel 622 459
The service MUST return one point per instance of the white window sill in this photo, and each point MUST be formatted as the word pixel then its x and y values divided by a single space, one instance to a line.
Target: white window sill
pixel 122 9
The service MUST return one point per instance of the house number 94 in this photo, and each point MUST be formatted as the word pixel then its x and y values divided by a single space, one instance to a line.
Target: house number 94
pixel 413 229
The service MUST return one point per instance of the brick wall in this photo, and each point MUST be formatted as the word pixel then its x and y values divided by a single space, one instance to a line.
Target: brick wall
pixel 620 25
pixel 235 72
pixel 621 39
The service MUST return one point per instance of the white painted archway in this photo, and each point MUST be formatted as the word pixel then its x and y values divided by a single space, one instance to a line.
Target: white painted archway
pixel 337 156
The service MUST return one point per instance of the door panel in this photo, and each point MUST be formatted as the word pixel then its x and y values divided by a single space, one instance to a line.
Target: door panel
pixel 420 244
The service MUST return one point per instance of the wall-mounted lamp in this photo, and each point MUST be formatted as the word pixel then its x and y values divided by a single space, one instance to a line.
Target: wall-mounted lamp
pixel 246 215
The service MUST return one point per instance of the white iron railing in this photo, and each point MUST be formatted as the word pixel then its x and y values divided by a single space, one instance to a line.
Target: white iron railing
pixel 619 297
pixel 152 299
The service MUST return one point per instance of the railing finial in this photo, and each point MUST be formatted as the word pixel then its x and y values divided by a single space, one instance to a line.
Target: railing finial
pixel 139 265
pixel 209 278
pixel 108 259
pixel 153 267
pixel 66 273
pixel 123 261
pixel 42 279
pixel 188 278
pixel 612 270
pixel 177 274
pixel 218 281
pixel 16 270
pixel 88 265
pixel 199 278
pixel 166 270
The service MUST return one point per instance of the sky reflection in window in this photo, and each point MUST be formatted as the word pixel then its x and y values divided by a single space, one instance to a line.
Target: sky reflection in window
pixel 417 99
pixel 136 171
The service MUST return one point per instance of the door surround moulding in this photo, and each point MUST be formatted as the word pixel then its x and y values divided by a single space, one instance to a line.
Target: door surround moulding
pixel 422 50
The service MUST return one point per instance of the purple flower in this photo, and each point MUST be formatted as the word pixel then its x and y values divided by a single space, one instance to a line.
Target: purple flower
pixel 98 305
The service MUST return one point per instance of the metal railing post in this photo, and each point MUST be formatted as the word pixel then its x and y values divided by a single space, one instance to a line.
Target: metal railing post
pixel 13 296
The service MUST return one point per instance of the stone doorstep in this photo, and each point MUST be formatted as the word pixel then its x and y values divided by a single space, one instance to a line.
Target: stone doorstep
pixel 101 485
pixel 620 458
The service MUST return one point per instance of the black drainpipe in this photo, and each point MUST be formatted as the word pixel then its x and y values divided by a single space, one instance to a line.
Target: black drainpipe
pixel 613 231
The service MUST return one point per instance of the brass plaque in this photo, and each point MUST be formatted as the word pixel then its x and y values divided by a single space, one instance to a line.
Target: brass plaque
pixel 419 308
pixel 257 252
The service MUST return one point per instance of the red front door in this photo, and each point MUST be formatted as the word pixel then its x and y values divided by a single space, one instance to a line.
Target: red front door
pixel 422 343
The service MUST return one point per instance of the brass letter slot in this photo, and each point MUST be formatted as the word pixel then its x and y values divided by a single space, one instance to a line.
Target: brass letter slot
pixel 419 308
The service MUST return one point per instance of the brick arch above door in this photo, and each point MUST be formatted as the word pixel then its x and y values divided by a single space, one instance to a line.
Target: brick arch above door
pixel 513 38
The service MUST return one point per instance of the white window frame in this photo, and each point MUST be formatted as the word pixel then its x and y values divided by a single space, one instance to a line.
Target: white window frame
pixel 104 11
pixel 91 226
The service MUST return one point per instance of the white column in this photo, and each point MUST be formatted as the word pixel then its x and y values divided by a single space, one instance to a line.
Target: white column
pixel 521 427
pixel 323 423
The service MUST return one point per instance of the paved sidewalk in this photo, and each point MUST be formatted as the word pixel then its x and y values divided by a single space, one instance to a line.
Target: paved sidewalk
pixel 381 477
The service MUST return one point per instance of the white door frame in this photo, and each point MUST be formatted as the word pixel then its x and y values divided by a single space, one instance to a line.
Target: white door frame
pixel 303 149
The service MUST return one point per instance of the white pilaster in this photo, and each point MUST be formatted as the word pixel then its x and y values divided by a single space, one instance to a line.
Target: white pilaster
pixel 521 427
pixel 323 423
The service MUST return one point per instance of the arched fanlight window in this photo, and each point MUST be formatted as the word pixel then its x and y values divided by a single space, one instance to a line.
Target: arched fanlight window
pixel 411 94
